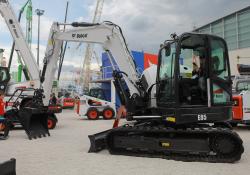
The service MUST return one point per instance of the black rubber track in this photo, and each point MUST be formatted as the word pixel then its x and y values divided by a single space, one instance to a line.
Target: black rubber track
pixel 215 135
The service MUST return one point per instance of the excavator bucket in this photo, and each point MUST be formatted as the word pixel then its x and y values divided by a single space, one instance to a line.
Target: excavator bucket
pixel 34 122
pixel 98 141
pixel 8 167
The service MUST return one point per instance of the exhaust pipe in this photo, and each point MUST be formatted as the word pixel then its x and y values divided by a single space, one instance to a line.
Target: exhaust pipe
pixel 98 141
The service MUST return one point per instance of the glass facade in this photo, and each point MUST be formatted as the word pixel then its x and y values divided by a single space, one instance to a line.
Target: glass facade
pixel 235 29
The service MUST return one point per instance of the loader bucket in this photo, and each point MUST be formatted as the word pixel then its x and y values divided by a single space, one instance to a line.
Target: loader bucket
pixel 8 167
pixel 34 122
pixel 98 141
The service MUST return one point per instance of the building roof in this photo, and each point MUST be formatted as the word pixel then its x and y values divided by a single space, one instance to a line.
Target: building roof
pixel 239 11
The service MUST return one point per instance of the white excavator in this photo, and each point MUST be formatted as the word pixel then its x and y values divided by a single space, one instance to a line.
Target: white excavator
pixel 173 112
pixel 30 92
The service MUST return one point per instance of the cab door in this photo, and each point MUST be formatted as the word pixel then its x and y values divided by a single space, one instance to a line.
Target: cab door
pixel 220 80
pixel 166 76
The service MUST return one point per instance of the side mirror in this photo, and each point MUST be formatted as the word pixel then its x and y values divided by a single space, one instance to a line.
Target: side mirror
pixel 4 74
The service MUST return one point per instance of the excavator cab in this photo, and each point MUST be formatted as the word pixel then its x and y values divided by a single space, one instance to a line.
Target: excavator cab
pixel 193 79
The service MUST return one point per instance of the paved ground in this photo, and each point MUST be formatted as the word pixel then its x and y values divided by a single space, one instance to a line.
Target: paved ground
pixel 65 153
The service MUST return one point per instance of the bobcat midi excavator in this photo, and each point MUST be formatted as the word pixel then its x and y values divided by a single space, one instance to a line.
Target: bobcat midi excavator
pixel 174 112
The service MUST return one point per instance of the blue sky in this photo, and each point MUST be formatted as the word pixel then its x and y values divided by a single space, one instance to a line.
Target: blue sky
pixel 145 23
pixel 54 11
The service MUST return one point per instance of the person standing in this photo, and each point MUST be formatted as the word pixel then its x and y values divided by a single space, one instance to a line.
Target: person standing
pixel 53 99
pixel 2 105
pixel 4 127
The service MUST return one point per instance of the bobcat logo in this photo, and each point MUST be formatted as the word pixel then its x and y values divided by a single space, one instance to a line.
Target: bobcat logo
pixel 81 35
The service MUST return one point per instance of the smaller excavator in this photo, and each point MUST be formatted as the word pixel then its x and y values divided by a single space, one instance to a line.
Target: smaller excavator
pixel 32 110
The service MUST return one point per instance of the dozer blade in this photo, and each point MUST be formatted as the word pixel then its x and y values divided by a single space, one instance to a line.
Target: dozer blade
pixel 98 141
pixel 34 122
pixel 8 167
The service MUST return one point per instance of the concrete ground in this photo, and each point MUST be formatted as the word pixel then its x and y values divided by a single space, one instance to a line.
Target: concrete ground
pixel 66 153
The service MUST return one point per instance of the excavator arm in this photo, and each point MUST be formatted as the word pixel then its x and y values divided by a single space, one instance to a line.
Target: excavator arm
pixel 110 36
